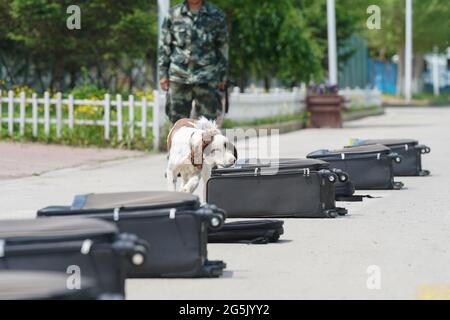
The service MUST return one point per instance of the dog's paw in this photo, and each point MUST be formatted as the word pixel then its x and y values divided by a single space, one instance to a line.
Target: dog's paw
pixel 185 189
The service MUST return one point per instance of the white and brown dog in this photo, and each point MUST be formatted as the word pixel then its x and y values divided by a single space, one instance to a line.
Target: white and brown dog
pixel 195 148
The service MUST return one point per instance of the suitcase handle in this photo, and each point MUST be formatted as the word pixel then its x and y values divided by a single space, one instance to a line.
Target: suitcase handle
pixel 423 149
pixel 395 157
pixel 132 247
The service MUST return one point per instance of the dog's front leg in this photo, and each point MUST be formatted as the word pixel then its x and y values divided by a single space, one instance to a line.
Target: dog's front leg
pixel 171 180
pixel 206 174
pixel 191 184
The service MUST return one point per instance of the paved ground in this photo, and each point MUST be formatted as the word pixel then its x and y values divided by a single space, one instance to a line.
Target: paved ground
pixel 405 233
pixel 15 158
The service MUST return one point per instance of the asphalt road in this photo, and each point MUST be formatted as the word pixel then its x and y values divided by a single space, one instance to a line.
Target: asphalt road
pixel 405 234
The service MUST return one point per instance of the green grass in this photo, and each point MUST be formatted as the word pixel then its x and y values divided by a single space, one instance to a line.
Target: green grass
pixel 359 108
pixel 442 99
pixel 301 117
pixel 81 135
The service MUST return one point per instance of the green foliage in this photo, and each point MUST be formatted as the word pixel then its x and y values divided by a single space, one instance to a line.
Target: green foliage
pixel 111 31
pixel 283 39
pixel 282 118
pixel 431 25
pixel 286 39
pixel 442 100
pixel 87 91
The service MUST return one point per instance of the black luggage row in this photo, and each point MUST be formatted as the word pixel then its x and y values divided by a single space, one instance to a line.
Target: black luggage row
pixel 86 250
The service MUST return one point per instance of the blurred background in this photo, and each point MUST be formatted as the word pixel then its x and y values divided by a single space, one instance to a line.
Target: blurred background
pixel 274 45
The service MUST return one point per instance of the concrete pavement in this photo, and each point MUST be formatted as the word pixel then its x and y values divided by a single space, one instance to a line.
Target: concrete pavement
pixel 15 158
pixel 405 233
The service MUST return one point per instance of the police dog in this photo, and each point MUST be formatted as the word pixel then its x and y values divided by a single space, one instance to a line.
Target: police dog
pixel 195 148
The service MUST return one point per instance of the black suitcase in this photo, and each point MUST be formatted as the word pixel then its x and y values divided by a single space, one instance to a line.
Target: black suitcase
pixel 249 231
pixel 369 167
pixel 296 188
pixel 93 246
pixel 345 192
pixel 411 152
pixel 173 223
pixel 44 285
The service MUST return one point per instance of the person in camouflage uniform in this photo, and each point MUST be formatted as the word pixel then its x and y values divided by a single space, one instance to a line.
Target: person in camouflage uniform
pixel 193 59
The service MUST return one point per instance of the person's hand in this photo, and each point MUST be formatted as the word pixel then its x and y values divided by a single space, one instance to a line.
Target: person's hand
pixel 164 83
pixel 222 85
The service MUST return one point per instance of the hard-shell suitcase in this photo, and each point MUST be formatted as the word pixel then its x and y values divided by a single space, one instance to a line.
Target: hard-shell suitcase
pixel 411 152
pixel 369 167
pixel 44 285
pixel 173 223
pixel 248 231
pixel 297 188
pixel 89 247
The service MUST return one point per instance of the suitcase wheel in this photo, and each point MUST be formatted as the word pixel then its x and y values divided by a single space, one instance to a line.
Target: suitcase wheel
pixel 423 149
pixel 216 221
pixel 213 269
pixel 138 257
pixel 330 176
pixel 132 248
pixel 342 211
pixel 331 213
pixel 343 177
pixel 398 185
pixel 396 157
pixel 424 173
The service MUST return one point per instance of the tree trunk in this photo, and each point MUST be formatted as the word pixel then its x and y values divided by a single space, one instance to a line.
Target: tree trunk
pixel 266 83
pixel 39 76
pixel 130 79
pixel 58 73
pixel 73 79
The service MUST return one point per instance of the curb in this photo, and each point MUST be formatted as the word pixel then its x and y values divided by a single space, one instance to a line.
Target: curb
pixel 362 114
pixel 284 127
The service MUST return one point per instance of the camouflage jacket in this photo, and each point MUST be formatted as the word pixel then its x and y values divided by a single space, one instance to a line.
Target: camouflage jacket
pixel 193 48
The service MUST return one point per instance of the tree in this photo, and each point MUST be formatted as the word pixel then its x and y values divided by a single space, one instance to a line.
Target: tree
pixel 430 29
pixel 110 31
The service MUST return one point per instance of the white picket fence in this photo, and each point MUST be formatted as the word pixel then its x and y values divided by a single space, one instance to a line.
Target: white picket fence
pixel 257 104
pixel 362 97
pixel 59 111
pixel 57 103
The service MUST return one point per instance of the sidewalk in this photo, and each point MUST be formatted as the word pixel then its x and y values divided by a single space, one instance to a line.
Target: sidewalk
pixel 405 233
pixel 26 159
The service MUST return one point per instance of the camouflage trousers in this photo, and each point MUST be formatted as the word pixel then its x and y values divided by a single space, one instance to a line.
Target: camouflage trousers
pixel 180 97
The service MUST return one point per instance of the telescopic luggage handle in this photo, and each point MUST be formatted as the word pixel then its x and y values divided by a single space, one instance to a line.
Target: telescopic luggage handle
pixel 423 149
pixel 133 248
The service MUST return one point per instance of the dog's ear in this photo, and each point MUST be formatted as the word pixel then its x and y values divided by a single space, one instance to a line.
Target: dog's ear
pixel 235 152
pixel 208 135
pixel 232 148
pixel 197 153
